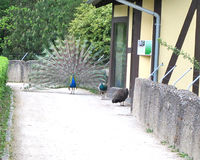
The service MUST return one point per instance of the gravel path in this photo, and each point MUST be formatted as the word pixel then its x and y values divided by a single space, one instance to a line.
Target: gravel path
pixel 55 125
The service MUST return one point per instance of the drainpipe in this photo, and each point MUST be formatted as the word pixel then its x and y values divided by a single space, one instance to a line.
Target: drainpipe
pixel 157 16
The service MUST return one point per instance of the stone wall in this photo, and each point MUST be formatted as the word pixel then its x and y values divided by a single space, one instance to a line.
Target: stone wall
pixel 174 115
pixel 18 70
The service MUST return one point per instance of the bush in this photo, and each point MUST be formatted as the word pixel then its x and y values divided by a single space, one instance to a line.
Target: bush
pixel 3 74
pixel 4 103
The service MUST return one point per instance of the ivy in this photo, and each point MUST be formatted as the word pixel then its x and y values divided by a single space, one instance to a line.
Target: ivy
pixel 182 53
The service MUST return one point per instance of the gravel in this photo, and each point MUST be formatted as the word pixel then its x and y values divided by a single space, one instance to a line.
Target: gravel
pixel 56 125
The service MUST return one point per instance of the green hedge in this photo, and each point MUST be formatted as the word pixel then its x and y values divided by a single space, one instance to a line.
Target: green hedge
pixel 3 74
pixel 4 103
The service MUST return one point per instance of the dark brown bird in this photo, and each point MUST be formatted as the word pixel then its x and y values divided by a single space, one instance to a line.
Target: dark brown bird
pixel 120 96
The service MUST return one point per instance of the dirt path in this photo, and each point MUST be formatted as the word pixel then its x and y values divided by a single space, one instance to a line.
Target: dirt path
pixel 55 125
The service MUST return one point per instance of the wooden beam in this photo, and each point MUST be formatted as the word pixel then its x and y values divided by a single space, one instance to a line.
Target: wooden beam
pixel 111 68
pixel 196 72
pixel 181 39
pixel 103 3
pixel 136 29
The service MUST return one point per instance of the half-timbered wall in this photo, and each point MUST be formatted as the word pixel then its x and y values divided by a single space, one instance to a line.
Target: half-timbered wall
pixel 120 11
pixel 178 29
pixel 179 21
pixel 146 34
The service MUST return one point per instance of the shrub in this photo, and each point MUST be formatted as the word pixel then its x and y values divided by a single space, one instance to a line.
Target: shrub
pixel 3 74
pixel 4 103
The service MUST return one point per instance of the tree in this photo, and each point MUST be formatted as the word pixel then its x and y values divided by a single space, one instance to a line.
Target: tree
pixel 93 24
pixel 4 4
pixel 24 3
pixel 32 29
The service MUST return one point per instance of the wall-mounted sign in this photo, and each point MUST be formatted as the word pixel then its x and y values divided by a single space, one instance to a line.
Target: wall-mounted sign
pixel 144 47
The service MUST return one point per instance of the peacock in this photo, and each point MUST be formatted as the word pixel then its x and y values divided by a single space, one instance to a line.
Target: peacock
pixel 102 89
pixel 69 62
pixel 120 96
pixel 72 85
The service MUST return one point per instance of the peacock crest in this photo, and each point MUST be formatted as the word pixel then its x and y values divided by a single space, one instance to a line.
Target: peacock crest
pixel 66 61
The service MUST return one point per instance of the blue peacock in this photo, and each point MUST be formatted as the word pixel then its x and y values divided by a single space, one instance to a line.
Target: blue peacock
pixel 69 62
pixel 72 84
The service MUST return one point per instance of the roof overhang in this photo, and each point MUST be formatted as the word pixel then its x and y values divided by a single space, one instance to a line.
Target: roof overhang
pixel 99 3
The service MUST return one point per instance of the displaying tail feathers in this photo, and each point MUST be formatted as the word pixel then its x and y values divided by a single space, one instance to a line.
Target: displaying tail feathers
pixel 67 58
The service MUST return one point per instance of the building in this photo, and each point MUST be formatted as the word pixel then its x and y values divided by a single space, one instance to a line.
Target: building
pixel 179 26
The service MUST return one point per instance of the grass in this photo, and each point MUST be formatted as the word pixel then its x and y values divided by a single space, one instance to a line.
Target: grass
pixel 185 155
pixel 164 142
pixel 149 130
pixel 180 154
pixel 173 148
pixel 92 90
pixel 5 104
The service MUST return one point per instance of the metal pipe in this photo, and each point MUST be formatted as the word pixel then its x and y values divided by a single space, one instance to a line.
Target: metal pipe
pixel 182 76
pixel 167 73
pixel 193 82
pixel 157 35
pixel 156 70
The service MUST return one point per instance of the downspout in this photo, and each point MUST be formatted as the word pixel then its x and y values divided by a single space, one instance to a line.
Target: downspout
pixel 157 16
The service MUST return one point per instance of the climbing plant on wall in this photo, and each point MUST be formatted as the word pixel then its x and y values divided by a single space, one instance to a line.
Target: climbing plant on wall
pixel 182 53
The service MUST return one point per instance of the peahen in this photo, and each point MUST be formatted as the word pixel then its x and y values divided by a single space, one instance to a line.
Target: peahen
pixel 102 89
pixel 69 58
pixel 72 84
pixel 120 96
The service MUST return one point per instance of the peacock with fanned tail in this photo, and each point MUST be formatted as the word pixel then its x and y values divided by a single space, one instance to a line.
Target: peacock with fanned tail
pixel 69 63
pixel 72 84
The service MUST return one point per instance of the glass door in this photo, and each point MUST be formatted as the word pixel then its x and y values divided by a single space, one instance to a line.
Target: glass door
pixel 120 45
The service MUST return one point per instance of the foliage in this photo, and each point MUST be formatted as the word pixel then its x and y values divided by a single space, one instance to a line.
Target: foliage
pixel 67 58
pixel 24 3
pixel 93 24
pixel 180 52
pixel 4 102
pixel 4 4
pixel 30 29
pixel 3 74
pixel 8 25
